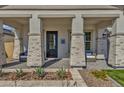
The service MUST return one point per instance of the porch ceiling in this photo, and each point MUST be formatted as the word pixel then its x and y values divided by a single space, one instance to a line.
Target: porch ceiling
pixel 91 23
pixel 95 21
pixel 21 21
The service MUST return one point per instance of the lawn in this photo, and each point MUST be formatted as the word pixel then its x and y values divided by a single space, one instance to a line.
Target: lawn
pixel 117 75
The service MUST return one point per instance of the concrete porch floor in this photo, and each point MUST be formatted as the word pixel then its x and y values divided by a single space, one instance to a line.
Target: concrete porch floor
pixel 59 63
pixel 99 64
pixel 50 63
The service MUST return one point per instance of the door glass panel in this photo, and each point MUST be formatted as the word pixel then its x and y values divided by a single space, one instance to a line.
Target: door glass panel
pixel 52 44
pixel 51 41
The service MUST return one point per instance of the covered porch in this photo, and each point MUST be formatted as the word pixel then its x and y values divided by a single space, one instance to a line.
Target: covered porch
pixel 78 36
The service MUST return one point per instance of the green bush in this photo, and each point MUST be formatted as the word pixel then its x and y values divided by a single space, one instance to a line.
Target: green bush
pixel 100 74
pixel 61 73
pixel 19 72
pixel 40 71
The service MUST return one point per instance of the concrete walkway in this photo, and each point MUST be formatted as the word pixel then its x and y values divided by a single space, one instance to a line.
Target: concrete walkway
pixel 99 64
pixel 57 63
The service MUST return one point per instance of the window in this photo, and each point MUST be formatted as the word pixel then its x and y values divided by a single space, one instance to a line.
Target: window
pixel 87 40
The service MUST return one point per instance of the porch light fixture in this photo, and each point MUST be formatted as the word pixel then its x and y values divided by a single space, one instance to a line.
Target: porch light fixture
pixel 107 32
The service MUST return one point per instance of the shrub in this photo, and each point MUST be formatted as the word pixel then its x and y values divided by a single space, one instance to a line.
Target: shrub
pixel 100 74
pixel 40 71
pixel 61 73
pixel 19 72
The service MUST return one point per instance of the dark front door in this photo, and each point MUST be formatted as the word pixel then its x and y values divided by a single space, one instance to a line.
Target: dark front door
pixel 52 46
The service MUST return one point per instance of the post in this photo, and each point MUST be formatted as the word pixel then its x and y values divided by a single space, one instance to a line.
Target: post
pixel 77 56
pixel 35 45
pixel 116 39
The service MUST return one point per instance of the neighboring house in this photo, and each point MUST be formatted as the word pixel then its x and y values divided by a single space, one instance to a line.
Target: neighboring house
pixel 73 32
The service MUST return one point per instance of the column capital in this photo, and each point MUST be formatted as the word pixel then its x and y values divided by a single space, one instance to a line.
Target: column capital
pixel 34 16
pixel 78 16
pixel 77 24
pixel 35 24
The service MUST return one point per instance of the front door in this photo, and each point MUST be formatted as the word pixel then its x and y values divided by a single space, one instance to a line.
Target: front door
pixel 52 46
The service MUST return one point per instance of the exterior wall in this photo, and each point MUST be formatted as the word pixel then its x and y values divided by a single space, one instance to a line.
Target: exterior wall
pixel 119 52
pixel 112 48
pixel 101 45
pixel 63 26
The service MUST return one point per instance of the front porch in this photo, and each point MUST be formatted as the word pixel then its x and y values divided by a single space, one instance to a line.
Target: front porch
pixel 75 36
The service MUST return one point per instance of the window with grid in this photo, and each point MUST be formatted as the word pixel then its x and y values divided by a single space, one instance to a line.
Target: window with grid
pixel 88 40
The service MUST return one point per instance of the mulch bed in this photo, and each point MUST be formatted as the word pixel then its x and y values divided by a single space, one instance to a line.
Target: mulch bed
pixel 33 76
pixel 92 81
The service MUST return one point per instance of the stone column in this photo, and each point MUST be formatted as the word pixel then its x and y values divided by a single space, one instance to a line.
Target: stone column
pixel 16 51
pixel 77 56
pixel 116 47
pixel 35 54
pixel 2 48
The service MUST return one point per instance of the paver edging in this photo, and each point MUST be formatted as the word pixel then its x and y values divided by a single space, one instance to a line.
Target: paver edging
pixel 115 82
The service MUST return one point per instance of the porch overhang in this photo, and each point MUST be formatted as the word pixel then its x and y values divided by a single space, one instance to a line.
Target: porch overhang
pixel 101 15
pixel 15 15
pixel 56 15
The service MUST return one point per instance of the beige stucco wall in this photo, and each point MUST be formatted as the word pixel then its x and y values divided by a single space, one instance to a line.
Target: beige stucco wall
pixel 101 44
pixel 63 26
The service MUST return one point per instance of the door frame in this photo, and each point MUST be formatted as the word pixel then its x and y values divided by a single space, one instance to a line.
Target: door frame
pixel 56 32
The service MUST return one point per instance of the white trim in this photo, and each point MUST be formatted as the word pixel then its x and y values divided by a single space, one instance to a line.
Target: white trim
pixel 15 15
pixel 55 15
pixel 100 15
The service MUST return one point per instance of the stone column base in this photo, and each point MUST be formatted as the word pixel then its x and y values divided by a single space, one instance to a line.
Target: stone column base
pixel 2 50
pixel 77 57
pixel 35 55
pixel 116 50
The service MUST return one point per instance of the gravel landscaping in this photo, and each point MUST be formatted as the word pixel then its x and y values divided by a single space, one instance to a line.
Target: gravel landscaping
pixel 38 74
pixel 33 76
pixel 93 81
pixel 41 78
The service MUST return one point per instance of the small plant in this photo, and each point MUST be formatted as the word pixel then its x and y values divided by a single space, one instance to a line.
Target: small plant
pixel 61 73
pixel 40 71
pixel 1 72
pixel 19 72
pixel 100 74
